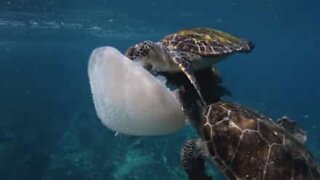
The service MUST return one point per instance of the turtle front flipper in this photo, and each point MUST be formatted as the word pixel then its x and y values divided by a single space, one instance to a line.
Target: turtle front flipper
pixel 185 65
pixel 193 162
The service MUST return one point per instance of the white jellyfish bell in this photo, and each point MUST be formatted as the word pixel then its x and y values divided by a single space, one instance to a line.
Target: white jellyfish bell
pixel 128 99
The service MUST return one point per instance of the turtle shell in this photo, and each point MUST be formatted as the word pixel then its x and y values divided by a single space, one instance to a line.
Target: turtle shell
pixel 206 42
pixel 247 145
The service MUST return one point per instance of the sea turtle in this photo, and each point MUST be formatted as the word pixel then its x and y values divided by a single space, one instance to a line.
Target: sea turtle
pixel 187 51
pixel 245 144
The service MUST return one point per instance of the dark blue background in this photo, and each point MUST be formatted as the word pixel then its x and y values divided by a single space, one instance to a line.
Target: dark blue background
pixel 48 127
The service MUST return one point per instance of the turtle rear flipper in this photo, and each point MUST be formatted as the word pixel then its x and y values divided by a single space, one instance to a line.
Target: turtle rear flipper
pixel 211 85
pixel 292 127
pixel 184 64
pixel 216 75
pixel 193 162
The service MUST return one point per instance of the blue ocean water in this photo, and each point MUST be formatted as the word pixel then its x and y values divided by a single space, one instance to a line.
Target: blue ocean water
pixel 48 126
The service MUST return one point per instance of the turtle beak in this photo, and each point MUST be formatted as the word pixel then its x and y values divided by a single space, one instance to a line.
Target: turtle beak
pixel 131 57
pixel 130 53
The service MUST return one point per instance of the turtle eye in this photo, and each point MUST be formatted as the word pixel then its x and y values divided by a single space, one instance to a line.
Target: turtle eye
pixel 145 47
pixel 143 50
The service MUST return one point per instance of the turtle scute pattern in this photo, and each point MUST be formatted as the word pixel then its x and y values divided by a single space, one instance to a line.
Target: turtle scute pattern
pixel 247 145
pixel 206 42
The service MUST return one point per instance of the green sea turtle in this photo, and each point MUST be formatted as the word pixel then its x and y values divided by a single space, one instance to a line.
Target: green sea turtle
pixel 187 51
pixel 245 144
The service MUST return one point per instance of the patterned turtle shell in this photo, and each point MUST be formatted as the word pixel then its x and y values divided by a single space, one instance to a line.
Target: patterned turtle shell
pixel 206 42
pixel 247 145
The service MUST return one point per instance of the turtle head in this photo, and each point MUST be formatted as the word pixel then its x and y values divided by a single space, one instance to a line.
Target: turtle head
pixel 144 51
